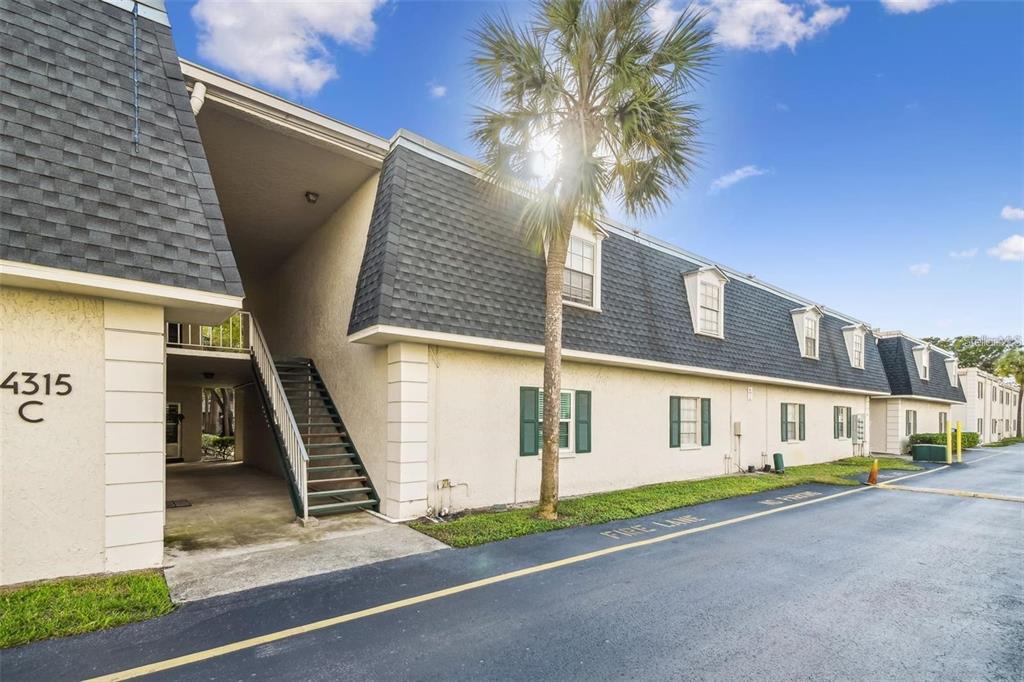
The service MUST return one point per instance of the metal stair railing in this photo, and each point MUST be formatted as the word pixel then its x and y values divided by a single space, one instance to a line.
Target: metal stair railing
pixel 284 420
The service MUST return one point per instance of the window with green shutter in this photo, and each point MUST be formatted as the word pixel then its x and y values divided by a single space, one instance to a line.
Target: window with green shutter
pixel 793 422
pixel 705 421
pixel 583 421
pixel 837 431
pixel 673 421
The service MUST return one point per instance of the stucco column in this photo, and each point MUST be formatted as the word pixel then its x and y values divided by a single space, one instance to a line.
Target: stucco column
pixel 405 494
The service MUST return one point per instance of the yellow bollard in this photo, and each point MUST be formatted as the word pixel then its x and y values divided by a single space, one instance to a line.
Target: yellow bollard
pixel 949 442
pixel 959 442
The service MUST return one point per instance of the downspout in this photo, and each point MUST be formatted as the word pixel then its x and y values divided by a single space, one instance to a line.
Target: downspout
pixel 198 97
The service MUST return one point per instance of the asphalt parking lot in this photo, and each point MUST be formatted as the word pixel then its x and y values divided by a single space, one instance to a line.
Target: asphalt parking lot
pixel 810 582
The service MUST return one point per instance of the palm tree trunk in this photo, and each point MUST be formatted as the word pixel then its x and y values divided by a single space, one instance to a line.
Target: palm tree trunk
pixel 557 249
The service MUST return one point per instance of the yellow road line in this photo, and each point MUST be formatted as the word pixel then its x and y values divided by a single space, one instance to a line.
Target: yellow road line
pixel 955 493
pixel 251 642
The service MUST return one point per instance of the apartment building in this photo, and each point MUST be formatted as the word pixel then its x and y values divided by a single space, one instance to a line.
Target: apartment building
pixel 992 404
pixel 387 353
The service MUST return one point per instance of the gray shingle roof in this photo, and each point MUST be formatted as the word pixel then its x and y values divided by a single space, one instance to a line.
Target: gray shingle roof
pixel 897 353
pixel 442 257
pixel 74 191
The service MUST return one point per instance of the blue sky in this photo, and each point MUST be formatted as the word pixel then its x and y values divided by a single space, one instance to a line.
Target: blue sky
pixel 868 156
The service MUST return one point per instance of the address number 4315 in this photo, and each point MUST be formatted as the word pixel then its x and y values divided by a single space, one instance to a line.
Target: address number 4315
pixel 32 383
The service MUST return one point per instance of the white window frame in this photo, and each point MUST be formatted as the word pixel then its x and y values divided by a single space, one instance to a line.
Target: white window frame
pixel 943 421
pixel 694 283
pixel 793 418
pixel 710 307
pixel 684 401
pixel 844 428
pixel 570 450
pixel 981 427
pixel 595 238
pixel 812 334
pixel 910 425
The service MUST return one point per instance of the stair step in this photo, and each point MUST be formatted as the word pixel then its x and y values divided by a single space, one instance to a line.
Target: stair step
pixel 340 492
pixel 334 467
pixel 345 479
pixel 336 455
pixel 341 506
pixel 327 445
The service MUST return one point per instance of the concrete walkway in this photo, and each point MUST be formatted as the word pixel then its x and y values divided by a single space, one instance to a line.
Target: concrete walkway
pixel 239 532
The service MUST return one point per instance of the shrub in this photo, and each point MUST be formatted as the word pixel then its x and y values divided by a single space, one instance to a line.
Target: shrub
pixel 970 439
pixel 218 447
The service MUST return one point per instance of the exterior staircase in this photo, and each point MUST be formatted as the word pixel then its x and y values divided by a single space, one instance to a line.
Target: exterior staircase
pixel 336 480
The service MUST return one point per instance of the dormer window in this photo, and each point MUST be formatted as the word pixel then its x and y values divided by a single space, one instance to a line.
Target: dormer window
pixel 854 337
pixel 710 307
pixel 578 285
pixel 705 294
pixel 922 356
pixel 581 280
pixel 952 370
pixel 807 325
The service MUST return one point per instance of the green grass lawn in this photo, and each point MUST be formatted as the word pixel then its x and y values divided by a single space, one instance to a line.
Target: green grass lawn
pixel 1012 440
pixel 479 528
pixel 72 606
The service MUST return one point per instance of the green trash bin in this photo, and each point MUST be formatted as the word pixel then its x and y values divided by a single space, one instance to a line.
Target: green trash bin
pixel 924 452
pixel 780 467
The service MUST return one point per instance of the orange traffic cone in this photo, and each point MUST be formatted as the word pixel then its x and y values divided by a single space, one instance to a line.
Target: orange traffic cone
pixel 873 476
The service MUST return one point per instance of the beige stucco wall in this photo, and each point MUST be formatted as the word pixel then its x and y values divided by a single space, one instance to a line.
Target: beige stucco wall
pixel 191 399
pixel 82 491
pixel 473 428
pixel 303 309
pixel 889 422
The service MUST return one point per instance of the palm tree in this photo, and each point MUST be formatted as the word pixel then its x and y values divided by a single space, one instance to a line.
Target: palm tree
pixel 1011 364
pixel 590 104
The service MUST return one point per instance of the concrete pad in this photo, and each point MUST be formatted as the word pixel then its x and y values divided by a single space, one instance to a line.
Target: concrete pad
pixel 240 532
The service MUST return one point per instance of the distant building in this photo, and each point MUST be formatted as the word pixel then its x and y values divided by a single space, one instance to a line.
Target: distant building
pixel 991 406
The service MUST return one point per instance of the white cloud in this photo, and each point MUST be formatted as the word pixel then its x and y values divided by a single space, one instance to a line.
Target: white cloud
pixel 910 6
pixel 738 175
pixel 781 106
pixel 966 253
pixel 1011 213
pixel 1011 248
pixel 920 269
pixel 281 44
pixel 437 91
pixel 663 15
pixel 756 24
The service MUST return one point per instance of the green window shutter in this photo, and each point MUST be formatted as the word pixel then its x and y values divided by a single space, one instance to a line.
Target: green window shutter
pixel 835 422
pixel 673 422
pixel 705 421
pixel 582 421
pixel 783 422
pixel 803 432
pixel 529 421
pixel 849 422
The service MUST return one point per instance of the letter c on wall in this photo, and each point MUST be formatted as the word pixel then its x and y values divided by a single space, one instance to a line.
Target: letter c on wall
pixel 21 411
